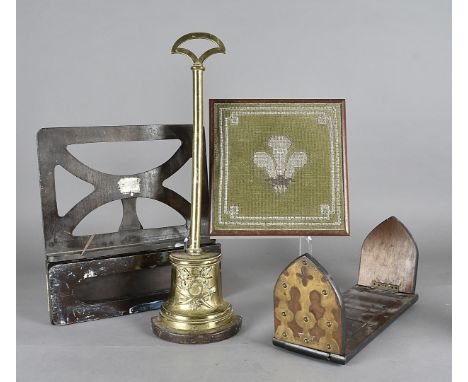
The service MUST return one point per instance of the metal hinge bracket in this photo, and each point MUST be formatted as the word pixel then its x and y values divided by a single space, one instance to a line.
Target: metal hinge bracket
pixel 385 287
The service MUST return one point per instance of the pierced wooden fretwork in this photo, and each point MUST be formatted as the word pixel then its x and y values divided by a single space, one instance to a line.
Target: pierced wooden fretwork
pixel 105 275
pixel 60 243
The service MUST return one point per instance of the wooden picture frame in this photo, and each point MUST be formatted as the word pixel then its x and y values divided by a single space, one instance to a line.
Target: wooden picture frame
pixel 282 169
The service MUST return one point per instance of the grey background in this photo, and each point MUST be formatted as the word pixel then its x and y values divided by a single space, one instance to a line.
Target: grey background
pixel 107 62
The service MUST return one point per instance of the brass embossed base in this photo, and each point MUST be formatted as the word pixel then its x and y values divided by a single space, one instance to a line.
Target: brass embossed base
pixel 196 311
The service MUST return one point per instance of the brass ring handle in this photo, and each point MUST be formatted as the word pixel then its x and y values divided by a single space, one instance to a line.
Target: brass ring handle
pixel 198 61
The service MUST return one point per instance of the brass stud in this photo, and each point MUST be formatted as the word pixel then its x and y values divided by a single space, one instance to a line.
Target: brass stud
pixel 285 334
pixel 306 319
pixel 328 346
pixel 329 324
pixel 306 340
pixel 285 285
pixel 304 262
pixel 283 314
pixel 324 292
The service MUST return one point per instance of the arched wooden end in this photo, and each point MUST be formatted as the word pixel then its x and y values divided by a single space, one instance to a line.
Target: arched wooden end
pixel 309 310
pixel 389 258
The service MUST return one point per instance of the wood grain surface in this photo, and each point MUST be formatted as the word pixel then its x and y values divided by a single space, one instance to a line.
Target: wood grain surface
pixel 389 255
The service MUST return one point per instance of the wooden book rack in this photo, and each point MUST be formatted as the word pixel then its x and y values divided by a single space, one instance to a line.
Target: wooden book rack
pixel 314 318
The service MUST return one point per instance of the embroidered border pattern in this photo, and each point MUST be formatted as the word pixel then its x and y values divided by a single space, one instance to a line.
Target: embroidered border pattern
pixel 326 114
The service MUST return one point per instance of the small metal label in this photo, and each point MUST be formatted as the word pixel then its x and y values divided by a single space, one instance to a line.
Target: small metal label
pixel 129 186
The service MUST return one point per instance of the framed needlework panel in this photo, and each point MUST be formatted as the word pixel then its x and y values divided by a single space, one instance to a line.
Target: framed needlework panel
pixel 278 167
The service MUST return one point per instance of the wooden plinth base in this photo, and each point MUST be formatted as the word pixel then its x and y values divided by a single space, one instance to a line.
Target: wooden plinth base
pixel 182 337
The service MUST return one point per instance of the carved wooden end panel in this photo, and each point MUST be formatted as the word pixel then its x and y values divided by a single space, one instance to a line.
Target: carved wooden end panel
pixel 308 307
pixel 389 258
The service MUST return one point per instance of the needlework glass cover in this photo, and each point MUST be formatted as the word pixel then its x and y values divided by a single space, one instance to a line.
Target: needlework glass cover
pixel 278 167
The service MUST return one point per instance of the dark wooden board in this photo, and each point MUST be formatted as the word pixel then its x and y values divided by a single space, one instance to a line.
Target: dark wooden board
pixel 111 274
pixel 368 312
pixel 60 243
pixel 110 286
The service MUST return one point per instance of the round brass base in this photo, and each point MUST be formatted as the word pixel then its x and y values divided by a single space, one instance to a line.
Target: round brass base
pixel 196 312
pixel 183 337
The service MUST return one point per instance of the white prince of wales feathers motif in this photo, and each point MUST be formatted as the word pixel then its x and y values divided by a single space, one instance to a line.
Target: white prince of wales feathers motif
pixel 279 167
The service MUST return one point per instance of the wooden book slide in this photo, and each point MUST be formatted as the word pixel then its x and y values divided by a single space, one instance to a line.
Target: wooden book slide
pixel 314 318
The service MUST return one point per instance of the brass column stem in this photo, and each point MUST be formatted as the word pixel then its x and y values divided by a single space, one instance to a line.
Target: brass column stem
pixel 197 158
pixel 196 311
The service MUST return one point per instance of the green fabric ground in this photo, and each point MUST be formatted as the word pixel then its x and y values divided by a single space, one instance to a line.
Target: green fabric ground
pixel 249 186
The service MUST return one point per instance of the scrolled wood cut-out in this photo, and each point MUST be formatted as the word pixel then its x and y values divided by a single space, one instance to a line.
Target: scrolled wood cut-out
pixel 60 243
pixel 131 265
